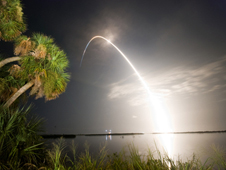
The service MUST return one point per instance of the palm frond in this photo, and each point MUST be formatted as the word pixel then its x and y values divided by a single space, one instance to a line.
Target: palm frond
pixel 55 84
pixel 59 61
pixel 11 16
pixel 39 38
pixel 23 45
pixel 40 51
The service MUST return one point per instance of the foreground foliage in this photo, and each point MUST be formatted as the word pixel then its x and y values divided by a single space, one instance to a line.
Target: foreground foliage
pixel 19 140
pixel 57 159
pixel 11 17
pixel 42 68
pixel 41 65
pixel 22 148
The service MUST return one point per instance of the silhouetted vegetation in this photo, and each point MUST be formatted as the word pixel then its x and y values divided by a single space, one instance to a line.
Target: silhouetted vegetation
pixel 56 158
pixel 20 143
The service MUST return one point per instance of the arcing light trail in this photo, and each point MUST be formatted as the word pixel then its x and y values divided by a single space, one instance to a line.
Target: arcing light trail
pixel 141 79
pixel 160 113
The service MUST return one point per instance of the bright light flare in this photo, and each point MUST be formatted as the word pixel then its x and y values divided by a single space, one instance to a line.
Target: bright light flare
pixel 162 121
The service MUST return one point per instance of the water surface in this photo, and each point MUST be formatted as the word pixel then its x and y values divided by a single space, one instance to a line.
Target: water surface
pixel 177 145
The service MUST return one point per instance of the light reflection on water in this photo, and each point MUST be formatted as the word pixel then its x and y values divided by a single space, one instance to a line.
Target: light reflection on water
pixel 108 137
pixel 183 145
pixel 167 141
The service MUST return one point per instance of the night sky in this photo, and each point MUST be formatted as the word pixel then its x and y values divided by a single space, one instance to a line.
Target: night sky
pixel 177 46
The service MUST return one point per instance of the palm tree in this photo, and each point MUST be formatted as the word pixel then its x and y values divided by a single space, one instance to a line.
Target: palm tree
pixel 9 85
pixel 42 67
pixel 11 19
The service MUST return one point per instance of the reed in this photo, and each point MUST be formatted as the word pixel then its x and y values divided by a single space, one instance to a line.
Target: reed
pixel 56 155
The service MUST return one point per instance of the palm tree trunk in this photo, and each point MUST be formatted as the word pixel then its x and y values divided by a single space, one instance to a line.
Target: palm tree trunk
pixel 18 93
pixel 9 60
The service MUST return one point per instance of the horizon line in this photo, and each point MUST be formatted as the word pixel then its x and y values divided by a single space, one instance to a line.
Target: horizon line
pixel 121 134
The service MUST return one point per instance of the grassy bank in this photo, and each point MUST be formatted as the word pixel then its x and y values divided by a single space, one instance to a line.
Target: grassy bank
pixel 57 158
pixel 21 148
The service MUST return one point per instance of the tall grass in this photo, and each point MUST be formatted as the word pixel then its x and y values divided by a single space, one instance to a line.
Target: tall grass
pixel 56 155
pixel 218 158
pixel 57 159
pixel 131 160
pixel 20 143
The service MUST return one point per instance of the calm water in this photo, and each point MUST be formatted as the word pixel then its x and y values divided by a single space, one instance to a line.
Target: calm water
pixel 183 145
